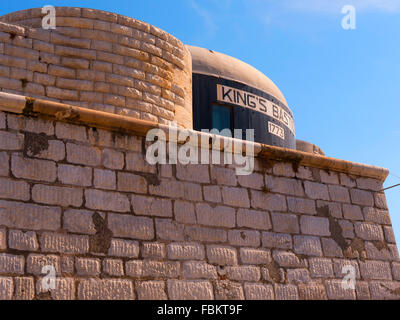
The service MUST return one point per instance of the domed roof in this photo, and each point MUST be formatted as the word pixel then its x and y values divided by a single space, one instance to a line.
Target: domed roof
pixel 217 64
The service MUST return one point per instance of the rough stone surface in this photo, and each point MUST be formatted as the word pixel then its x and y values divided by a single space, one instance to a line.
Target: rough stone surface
pixel 84 201
pixel 190 290
pixel 106 289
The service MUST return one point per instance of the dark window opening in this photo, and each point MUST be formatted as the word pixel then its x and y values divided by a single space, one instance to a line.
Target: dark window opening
pixel 222 118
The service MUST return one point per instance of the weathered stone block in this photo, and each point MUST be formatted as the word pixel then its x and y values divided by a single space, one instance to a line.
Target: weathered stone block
pixel 307 245
pixel 63 243
pixel 106 289
pixel 153 269
pixel 127 226
pixel 219 216
pixel 25 241
pixel 136 162
pixel 336 291
pixel 285 222
pixel 168 188
pixel 79 221
pixel 151 290
pixel 244 238
pixel 79 154
pixel 368 231
pixel 185 251
pixel 12 189
pixel 283 169
pixel 286 292
pixel 199 270
pixel 105 179
pixel 7 288
pixel 300 205
pixel 267 201
pixel 339 193
pixel 124 248
pixel 129 182
pixel 254 219
pixel 62 196
pixel 331 248
pixel 190 290
pixel 256 291
pixel 329 177
pixel 4 164
pixel 300 276
pixel 375 270
pixel 168 229
pixel 369 184
pixel 198 233
pixel 320 268
pixel 362 197
pixel 380 201
pixel 29 216
pixel 75 175
pixel 36 262
pixel 252 181
pixel 184 212
pixel 192 192
pixel 315 226
pixel 195 173
pixel 284 185
pixel 65 289
pixel 69 131
pixel 316 190
pixel 155 250
pixel 352 212
pixel 106 200
pixel 222 256
pixel 24 288
pixel 376 216
pixel 11 141
pixel 347 181
pixel 223 176
pixel 87 266
pixel 236 197
pixel 151 206
pixel 11 264
pixel 3 238
pixel 212 193
pixel 244 273
pixel 33 169
pixel 113 159
pixel 228 290
pixel 288 259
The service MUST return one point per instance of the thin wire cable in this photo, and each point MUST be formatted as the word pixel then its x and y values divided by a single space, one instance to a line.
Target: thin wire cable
pixel 396 185
pixel 392 174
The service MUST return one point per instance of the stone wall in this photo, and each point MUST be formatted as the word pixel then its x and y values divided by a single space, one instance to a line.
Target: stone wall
pixel 84 200
pixel 100 60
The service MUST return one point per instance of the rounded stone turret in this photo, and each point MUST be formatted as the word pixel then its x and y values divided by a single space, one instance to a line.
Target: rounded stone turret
pixel 99 60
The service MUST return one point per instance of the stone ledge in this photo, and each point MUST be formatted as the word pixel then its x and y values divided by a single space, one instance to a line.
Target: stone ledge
pixel 63 112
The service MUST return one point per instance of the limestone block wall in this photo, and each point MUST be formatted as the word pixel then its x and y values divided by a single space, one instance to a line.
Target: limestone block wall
pixel 84 200
pixel 99 60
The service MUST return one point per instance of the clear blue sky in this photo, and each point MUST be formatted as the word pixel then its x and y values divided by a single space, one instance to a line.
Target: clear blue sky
pixel 343 86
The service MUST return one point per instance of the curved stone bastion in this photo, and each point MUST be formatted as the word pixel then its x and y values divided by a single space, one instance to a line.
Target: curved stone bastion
pixel 99 60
